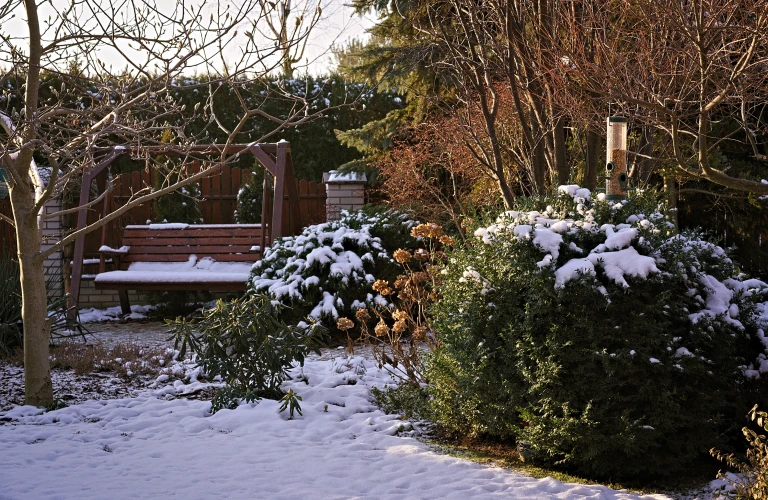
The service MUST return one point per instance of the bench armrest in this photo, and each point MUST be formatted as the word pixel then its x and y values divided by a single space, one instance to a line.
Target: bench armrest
pixel 115 253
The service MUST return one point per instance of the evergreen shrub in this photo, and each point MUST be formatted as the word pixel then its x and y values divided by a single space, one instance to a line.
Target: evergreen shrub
pixel 327 271
pixel 249 201
pixel 246 345
pixel 595 336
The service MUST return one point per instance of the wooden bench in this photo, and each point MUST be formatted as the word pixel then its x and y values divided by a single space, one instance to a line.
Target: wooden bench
pixel 211 257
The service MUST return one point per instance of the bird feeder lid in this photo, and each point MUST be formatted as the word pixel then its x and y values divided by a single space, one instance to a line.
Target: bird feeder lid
pixel 617 119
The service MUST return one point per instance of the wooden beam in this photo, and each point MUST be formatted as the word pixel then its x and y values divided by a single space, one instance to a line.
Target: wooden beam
pixel 277 202
pixel 265 159
pixel 266 203
pixel 294 211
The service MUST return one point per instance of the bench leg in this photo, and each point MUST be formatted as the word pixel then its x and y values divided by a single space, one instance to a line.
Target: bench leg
pixel 124 304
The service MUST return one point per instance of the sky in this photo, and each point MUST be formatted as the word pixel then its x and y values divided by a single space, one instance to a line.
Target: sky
pixel 337 25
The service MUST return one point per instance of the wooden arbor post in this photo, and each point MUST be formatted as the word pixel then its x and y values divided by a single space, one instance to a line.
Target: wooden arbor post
pixel 276 159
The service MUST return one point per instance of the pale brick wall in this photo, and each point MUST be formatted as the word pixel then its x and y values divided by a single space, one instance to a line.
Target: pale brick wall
pixel 101 299
pixel 343 192
pixel 54 263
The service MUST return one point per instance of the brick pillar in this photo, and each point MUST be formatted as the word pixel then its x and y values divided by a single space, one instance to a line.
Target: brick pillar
pixel 54 265
pixel 343 192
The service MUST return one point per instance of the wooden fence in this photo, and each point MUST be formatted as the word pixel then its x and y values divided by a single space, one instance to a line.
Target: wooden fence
pixel 217 204
pixel 7 233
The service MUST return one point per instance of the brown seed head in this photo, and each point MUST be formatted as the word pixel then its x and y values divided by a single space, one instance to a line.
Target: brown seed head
pixel 402 256
pixel 344 324
pixel 362 314
pixel 420 277
pixel 381 329
pixel 399 326
pixel 400 315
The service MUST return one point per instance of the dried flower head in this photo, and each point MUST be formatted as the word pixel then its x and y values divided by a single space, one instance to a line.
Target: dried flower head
pixel 386 291
pixel 381 329
pixel 419 333
pixel 344 324
pixel 447 240
pixel 420 277
pixel 399 326
pixel 402 256
pixel 427 230
pixel 421 254
pixel 400 315
pixel 401 281
pixel 380 285
pixel 362 314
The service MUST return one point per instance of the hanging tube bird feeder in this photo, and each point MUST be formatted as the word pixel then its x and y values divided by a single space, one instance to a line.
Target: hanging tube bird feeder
pixel 617 178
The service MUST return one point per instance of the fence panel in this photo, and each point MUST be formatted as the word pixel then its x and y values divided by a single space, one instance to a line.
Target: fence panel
pixel 218 202
pixel 7 232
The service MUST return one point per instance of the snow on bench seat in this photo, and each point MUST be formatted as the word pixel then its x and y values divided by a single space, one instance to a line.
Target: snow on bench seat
pixel 193 257
pixel 205 270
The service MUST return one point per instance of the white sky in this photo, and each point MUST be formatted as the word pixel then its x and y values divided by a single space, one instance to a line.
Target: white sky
pixel 337 26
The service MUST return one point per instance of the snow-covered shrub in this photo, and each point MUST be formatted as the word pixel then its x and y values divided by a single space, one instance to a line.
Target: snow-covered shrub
pixel 327 271
pixel 592 333
pixel 244 343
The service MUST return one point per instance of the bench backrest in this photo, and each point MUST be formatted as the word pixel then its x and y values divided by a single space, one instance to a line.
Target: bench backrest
pixel 223 243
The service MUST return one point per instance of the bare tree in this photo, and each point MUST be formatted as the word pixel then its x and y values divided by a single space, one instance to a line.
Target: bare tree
pixel 290 31
pixel 679 69
pixel 94 107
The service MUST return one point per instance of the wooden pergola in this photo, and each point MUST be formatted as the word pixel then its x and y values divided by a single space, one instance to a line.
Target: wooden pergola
pixel 275 157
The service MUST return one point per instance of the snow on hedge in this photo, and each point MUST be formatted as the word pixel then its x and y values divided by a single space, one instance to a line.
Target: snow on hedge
pixel 641 246
pixel 327 259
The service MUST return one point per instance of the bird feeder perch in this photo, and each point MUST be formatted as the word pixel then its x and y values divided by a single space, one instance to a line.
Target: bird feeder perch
pixel 617 179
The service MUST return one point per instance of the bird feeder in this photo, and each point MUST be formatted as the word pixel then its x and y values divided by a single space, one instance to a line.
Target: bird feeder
pixel 617 179
pixel 3 184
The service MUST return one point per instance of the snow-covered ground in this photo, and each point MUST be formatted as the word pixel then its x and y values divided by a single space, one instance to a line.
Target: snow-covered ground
pixel 160 445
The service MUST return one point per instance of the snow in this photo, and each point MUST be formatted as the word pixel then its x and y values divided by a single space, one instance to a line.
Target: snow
pixel 205 270
pixel 180 225
pixel 548 242
pixel 621 239
pixel 105 248
pixel 627 262
pixel 572 270
pixel 339 177
pixel 718 301
pixel 93 315
pixel 157 445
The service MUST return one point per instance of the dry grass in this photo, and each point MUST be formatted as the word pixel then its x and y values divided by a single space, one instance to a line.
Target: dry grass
pixel 124 360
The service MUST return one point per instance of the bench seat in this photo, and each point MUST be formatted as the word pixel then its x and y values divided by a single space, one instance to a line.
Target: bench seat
pixel 205 270
pixel 216 258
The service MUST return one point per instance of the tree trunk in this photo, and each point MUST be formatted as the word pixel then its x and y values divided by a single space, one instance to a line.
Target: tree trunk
pixel 38 390
pixel 539 168
pixel 561 160
pixel 591 160
pixel 646 166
